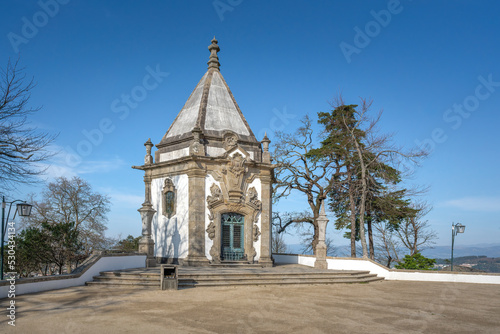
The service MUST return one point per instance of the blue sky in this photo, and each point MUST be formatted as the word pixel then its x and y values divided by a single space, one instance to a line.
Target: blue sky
pixel 431 65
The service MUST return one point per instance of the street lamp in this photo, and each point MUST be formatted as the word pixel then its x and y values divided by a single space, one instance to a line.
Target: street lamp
pixel 23 209
pixel 455 228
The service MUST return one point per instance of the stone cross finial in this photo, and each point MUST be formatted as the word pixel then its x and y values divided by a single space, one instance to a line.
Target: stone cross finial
pixel 213 62
pixel 148 159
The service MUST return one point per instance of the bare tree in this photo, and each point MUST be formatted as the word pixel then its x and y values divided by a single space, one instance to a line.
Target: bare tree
pixel 415 234
pixel 278 244
pixel 412 235
pixel 73 201
pixel 296 171
pixel 387 245
pixel 22 148
pixel 307 237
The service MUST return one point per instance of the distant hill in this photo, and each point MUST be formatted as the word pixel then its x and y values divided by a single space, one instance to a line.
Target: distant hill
pixel 444 252
pixel 438 252
pixel 471 263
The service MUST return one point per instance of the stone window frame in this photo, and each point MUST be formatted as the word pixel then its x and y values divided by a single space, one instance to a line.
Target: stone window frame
pixel 168 186
pixel 250 210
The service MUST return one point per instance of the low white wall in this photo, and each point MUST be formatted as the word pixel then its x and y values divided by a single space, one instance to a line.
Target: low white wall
pixel 391 274
pixel 105 263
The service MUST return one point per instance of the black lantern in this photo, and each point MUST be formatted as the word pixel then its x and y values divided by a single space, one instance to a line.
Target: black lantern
pixel 24 209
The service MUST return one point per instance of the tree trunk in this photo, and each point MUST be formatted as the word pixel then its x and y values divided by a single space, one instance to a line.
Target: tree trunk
pixel 353 213
pixel 362 235
pixel 370 235
pixel 315 237
pixel 363 199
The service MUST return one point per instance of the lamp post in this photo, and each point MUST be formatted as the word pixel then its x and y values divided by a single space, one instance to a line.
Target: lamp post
pixel 24 210
pixel 455 228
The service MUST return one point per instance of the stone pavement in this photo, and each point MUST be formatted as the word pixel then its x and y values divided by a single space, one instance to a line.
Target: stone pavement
pixel 381 307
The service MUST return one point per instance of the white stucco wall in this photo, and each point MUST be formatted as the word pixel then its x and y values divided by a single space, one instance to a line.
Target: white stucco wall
pixel 171 235
pixel 60 282
pixel 183 152
pixel 391 274
pixel 215 151
pixel 242 154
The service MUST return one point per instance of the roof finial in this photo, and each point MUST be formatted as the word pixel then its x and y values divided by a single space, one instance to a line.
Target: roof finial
pixel 213 62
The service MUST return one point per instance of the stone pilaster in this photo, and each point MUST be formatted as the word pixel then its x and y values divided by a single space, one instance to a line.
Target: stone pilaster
pixel 146 244
pixel 321 246
pixel 265 220
pixel 196 249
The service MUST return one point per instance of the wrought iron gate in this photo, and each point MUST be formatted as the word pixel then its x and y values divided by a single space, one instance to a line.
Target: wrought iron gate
pixel 233 236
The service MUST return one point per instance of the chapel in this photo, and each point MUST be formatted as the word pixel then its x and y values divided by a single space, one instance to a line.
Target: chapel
pixel 208 187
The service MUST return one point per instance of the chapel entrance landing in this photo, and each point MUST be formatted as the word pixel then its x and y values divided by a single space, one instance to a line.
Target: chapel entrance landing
pixel 233 236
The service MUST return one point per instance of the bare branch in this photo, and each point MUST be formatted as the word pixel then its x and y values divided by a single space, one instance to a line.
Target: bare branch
pixel 22 148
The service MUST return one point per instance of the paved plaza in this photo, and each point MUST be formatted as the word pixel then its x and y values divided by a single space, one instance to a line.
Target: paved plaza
pixel 380 307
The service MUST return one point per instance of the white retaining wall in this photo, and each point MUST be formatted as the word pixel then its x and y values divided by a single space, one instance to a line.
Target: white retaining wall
pixel 44 283
pixel 391 274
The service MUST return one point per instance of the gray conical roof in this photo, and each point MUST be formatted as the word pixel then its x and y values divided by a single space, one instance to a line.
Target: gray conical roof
pixel 211 107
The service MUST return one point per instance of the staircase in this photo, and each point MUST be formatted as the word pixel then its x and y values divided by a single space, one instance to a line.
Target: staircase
pixel 190 277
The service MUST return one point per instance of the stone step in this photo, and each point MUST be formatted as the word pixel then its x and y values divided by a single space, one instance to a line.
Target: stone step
pixel 273 275
pixel 237 276
pixel 126 279
pixel 276 277
pixel 131 273
pixel 199 277
pixel 207 283
pixel 236 264
pixel 125 284
pixel 276 282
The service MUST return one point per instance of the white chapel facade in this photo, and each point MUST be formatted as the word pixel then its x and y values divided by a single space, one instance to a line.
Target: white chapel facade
pixel 208 187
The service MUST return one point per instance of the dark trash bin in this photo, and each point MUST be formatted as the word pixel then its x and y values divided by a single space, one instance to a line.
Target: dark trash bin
pixel 169 280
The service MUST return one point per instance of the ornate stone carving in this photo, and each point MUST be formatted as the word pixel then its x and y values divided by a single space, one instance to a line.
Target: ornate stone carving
pixel 148 159
pixel 211 228
pixel 214 199
pixel 169 198
pixel 215 253
pixel 254 202
pixel 230 140
pixel 253 199
pixel 253 254
pixel 234 172
pixel 266 155
pixel 197 147
pixel 216 195
pixel 256 232
pixel 249 206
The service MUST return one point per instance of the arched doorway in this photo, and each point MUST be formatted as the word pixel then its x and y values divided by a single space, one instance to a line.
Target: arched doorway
pixel 233 236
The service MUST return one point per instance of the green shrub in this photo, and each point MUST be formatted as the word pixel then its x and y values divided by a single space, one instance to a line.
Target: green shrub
pixel 416 261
